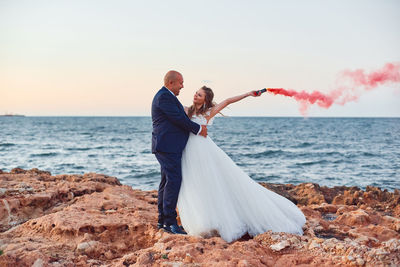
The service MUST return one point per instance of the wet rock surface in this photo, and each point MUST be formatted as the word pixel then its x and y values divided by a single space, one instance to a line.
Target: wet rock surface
pixel 93 220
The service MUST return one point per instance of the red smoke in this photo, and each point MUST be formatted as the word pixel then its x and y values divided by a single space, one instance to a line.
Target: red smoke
pixel 350 86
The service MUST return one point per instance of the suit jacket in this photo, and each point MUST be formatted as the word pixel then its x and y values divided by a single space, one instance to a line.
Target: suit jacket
pixel 171 125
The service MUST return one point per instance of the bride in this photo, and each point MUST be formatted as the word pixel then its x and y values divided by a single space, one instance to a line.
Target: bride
pixel 216 196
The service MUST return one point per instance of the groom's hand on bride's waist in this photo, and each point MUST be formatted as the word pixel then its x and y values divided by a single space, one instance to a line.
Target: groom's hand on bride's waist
pixel 203 131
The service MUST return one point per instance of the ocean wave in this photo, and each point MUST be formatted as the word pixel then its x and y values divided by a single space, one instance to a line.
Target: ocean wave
pixel 144 175
pixel 266 153
pixel 48 154
pixel 78 148
pixel 257 143
pixel 372 166
pixel 340 161
pixel 361 154
pixel 303 145
pixel 7 144
pixel 332 153
pixel 117 139
pixel 309 163
pixel 98 128
pixel 63 165
pixel 265 178
pixel 369 154
pixel 69 165
pixel 78 167
pixel 293 154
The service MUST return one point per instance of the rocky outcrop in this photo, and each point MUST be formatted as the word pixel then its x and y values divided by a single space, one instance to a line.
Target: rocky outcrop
pixel 92 220
pixel 29 194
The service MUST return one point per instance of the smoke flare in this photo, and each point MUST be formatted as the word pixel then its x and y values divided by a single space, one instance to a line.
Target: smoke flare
pixel 350 86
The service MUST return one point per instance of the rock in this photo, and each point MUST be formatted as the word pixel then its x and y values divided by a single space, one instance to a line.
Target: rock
pixel 3 191
pixel 188 258
pixel 314 244
pixel 360 262
pixel 294 240
pixel 243 263
pixel 17 171
pixel 394 222
pixel 358 217
pixel 362 239
pixel 279 246
pixel 281 190
pixel 275 237
pixel 33 193
pixel 93 220
pixel 38 263
pixel 392 244
pixel 350 258
pixel 84 247
pixel 109 255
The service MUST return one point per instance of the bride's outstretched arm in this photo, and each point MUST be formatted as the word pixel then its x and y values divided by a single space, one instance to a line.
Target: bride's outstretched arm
pixel 218 107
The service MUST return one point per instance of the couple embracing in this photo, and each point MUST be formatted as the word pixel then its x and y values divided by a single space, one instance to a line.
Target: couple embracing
pixel 213 195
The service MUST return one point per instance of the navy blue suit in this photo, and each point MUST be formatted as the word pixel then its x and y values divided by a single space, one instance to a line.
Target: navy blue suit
pixel 171 128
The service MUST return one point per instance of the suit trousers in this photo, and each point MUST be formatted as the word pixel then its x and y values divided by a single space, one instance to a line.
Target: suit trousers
pixel 168 191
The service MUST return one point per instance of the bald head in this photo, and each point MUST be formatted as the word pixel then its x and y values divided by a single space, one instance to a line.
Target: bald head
pixel 171 76
pixel 173 80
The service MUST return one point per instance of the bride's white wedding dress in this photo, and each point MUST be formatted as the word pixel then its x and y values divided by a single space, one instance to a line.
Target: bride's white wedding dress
pixel 217 196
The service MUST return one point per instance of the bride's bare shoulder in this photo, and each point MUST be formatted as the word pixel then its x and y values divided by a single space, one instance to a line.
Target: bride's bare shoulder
pixel 207 114
pixel 213 111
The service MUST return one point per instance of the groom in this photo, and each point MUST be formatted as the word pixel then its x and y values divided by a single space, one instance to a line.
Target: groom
pixel 171 128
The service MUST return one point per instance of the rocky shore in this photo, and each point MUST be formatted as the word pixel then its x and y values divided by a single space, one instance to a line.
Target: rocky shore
pixel 93 220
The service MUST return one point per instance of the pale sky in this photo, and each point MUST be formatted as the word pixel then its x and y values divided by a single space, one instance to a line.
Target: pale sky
pixel 108 58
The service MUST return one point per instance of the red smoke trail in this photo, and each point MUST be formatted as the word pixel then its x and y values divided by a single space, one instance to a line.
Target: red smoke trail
pixel 350 86
pixel 315 97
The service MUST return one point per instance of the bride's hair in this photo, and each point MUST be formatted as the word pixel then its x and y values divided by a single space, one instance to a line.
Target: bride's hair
pixel 208 103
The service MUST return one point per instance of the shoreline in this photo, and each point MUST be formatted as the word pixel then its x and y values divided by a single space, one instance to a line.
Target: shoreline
pixel 355 187
pixel 92 219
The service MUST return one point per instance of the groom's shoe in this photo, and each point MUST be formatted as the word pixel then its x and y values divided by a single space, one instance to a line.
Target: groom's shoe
pixel 160 226
pixel 174 229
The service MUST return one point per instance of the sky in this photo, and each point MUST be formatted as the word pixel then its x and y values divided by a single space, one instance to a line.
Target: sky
pixel 108 58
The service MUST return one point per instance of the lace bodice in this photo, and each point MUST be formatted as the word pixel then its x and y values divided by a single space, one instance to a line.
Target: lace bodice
pixel 200 119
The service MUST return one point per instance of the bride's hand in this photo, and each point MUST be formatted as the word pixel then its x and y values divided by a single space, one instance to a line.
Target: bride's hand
pixel 253 93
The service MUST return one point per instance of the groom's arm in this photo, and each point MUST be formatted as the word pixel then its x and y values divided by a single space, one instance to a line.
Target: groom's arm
pixel 176 115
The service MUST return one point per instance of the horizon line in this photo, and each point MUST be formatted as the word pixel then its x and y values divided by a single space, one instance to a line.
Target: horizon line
pixel 236 116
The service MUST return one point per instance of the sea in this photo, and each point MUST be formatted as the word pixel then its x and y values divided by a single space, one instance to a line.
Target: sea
pixel 328 151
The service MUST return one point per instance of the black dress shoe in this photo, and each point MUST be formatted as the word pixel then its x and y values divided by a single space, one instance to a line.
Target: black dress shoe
pixel 174 229
pixel 160 226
